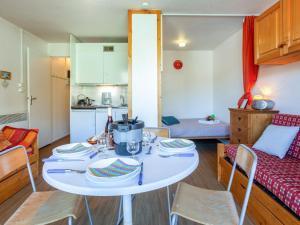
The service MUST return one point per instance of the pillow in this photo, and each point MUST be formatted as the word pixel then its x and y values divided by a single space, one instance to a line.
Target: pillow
pixel 170 120
pixel 276 140
pixel 4 143
pixel 290 120
pixel 20 136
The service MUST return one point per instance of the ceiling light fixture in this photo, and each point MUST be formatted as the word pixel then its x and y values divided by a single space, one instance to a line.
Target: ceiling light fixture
pixel 145 4
pixel 181 44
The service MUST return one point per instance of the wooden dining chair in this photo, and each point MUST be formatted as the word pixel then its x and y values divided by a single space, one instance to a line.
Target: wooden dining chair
pixel 159 131
pixel 212 207
pixel 40 207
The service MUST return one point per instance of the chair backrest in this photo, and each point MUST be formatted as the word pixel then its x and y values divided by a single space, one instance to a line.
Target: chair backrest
pixel 13 159
pixel 159 131
pixel 246 159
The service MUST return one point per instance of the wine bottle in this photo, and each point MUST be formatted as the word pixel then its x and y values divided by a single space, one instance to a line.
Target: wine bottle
pixel 108 131
pixel 109 120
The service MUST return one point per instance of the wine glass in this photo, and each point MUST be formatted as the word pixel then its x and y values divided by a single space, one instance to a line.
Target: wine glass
pixel 132 147
pixel 146 138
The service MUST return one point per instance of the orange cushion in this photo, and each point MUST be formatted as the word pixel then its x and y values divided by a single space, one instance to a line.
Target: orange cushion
pixel 4 143
pixel 20 136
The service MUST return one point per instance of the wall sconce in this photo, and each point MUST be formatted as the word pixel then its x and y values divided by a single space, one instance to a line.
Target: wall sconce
pixel 5 77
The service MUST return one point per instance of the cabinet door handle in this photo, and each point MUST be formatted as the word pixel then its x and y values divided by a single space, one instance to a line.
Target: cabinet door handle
pixel 239 140
pixel 239 129
pixel 239 118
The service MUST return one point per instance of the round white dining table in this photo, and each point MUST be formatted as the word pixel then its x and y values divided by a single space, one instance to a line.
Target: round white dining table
pixel 158 172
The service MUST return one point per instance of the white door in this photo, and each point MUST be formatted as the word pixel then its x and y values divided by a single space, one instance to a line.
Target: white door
pixel 39 94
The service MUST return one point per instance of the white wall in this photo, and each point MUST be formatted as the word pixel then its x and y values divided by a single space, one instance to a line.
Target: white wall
pixel 188 93
pixel 11 101
pixel 228 80
pixel 14 43
pixel 59 49
pixel 282 84
pixel 279 82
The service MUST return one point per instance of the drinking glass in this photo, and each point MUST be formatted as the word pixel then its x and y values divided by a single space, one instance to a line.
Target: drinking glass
pixel 146 138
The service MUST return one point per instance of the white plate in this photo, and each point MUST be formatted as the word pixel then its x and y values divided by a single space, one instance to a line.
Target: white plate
pixel 172 151
pixel 102 163
pixel 71 155
pixel 177 150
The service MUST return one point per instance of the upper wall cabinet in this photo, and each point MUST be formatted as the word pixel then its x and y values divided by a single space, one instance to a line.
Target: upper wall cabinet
pixel 115 64
pixel 267 34
pixel 89 63
pixel 292 30
pixel 277 34
pixel 101 63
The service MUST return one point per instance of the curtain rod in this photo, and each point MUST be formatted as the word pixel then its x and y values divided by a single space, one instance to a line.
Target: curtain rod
pixel 208 15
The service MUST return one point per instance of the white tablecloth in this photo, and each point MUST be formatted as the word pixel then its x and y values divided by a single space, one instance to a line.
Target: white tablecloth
pixel 158 173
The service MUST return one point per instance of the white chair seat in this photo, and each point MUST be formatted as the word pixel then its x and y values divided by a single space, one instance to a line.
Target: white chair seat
pixel 45 207
pixel 204 206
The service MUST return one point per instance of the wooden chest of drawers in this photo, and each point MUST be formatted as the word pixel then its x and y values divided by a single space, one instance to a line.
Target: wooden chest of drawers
pixel 246 125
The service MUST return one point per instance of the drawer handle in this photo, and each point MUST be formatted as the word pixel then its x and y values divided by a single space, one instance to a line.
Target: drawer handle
pixel 239 129
pixel 239 118
pixel 239 140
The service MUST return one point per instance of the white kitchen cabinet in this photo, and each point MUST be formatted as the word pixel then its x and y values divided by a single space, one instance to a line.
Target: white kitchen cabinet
pixel 117 113
pixel 87 123
pixel 83 125
pixel 115 64
pixel 89 63
pixel 101 119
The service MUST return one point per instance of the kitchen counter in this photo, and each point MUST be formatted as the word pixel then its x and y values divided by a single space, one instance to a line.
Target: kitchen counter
pixel 97 107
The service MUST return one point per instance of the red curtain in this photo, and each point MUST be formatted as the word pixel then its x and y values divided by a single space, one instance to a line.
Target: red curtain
pixel 250 70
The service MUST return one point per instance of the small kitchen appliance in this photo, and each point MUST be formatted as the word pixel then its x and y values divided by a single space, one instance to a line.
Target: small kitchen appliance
pixel 106 98
pixel 127 131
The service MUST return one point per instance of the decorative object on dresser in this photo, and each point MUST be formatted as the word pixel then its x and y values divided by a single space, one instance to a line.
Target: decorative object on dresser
pixel 246 125
pixel 262 104
pixel 244 104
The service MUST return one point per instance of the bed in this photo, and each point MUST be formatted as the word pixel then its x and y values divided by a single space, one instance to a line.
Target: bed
pixel 192 129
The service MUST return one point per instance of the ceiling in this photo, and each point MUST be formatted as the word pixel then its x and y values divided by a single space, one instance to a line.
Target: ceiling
pixel 199 33
pixel 54 20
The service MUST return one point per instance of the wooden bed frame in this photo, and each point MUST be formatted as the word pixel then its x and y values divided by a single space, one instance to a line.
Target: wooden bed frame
pixel 14 182
pixel 262 208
